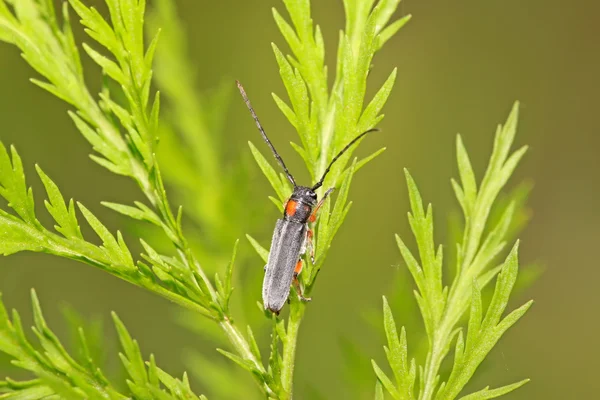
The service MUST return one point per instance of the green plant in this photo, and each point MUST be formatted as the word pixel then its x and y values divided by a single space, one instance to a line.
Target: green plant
pixel 326 121
pixel 443 307
pixel 192 143
pixel 123 133
pixel 123 125
pixel 192 158
pixel 59 375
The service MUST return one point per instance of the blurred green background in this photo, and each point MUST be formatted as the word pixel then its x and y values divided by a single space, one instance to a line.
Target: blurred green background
pixel 461 66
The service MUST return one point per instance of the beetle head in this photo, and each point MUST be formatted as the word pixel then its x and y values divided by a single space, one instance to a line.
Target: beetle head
pixel 305 195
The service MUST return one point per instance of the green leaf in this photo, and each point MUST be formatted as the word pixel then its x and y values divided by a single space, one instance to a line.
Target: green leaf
pixel 376 105
pixel 421 223
pixel 378 391
pixel 287 111
pixel 262 252
pixel 275 361
pixel 13 187
pixel 368 159
pixel 391 30
pixel 287 31
pixel 385 381
pixel 467 176
pixel 132 357
pixel 270 173
pixel 115 248
pixel 496 176
pixel 229 273
pixel 253 345
pixel 108 66
pixel 397 354
pixel 329 227
pixel 246 364
pixel 488 393
pixel 65 217
pixel 141 212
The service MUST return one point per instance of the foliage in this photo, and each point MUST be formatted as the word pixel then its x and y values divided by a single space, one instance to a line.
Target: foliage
pixel 207 182
pixel 61 376
pixel 193 143
pixel 443 307
pixel 326 120
pixel 123 134
pixel 123 124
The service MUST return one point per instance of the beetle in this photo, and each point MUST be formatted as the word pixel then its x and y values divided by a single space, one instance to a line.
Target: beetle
pixel 292 235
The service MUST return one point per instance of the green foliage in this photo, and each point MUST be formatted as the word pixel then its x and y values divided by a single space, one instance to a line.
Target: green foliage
pixel 443 307
pixel 397 355
pixel 49 47
pixel 22 231
pixel 193 143
pixel 61 376
pixel 123 134
pixel 326 120
pixel 207 184
pixel 123 123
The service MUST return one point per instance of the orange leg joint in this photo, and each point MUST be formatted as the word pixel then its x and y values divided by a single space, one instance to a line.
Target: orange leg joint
pixel 298 268
pixel 313 216
pixel 296 282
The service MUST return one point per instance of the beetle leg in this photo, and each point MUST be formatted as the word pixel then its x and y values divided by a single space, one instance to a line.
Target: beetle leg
pixel 313 216
pixel 311 245
pixel 298 268
pixel 296 282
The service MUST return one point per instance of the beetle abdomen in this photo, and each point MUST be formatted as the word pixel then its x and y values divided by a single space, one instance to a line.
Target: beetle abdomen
pixel 286 248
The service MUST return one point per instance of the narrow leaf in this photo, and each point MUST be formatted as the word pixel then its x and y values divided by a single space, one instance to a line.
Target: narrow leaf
pixel 487 393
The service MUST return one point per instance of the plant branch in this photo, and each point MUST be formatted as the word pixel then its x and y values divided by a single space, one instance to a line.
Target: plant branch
pixel 297 310
pixel 326 121
pixel 443 308
pixel 130 154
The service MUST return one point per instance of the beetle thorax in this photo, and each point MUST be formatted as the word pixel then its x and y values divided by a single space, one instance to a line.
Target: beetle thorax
pixel 300 205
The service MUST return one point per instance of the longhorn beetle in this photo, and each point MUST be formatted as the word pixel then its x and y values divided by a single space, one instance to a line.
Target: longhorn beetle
pixel 292 234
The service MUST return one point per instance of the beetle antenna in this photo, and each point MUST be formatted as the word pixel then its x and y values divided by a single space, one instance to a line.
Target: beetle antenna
pixel 264 135
pixel 320 183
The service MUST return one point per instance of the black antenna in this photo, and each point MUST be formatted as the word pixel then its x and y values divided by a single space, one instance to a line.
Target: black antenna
pixel 264 135
pixel 320 183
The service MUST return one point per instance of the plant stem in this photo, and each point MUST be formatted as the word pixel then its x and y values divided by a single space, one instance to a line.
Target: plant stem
pixel 297 309
pixel 159 197
pixel 442 335
pixel 239 343
pixel 434 360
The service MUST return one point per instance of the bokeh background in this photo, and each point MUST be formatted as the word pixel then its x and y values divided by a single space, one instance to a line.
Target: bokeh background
pixel 461 65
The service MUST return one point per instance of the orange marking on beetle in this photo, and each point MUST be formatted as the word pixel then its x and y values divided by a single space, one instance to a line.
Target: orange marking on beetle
pixel 298 268
pixel 290 208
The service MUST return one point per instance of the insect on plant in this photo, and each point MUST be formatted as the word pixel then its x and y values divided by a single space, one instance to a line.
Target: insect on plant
pixel 292 234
